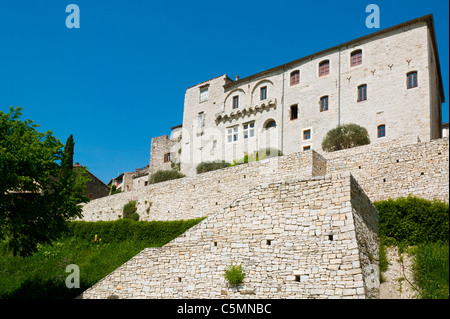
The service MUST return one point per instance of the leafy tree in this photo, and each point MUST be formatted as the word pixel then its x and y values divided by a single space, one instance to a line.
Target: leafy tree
pixel 39 193
pixel 345 136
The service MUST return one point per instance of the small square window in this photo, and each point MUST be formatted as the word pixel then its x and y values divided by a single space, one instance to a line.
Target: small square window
pixel 306 148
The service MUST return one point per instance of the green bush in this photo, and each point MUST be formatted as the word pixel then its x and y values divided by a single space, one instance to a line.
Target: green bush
pixel 155 232
pixel 234 274
pixel 129 211
pixel 412 221
pixel 259 155
pixel 345 136
pixel 161 176
pixel 211 166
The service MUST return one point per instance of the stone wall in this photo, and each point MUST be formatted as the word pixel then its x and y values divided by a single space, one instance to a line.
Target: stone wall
pixel 206 193
pixel 303 238
pixel 384 170
pixel 397 168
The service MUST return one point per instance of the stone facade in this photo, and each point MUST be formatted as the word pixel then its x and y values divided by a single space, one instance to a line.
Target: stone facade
pixel 224 119
pixel 310 238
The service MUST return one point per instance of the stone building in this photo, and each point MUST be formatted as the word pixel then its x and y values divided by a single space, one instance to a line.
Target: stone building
pixel 388 82
pixel 95 188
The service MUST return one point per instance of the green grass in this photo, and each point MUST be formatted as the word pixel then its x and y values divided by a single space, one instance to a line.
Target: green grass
pixel 42 275
pixel 431 270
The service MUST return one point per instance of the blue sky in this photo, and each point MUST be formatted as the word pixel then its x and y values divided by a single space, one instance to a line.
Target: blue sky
pixel 120 79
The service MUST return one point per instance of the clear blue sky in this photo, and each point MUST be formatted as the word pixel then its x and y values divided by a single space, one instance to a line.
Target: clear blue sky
pixel 120 79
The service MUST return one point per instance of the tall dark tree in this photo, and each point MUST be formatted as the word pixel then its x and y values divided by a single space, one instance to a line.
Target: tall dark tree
pixel 36 198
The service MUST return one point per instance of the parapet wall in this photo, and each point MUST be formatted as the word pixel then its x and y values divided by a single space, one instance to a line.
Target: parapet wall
pixel 206 193
pixel 309 238
pixel 397 168
pixel 384 170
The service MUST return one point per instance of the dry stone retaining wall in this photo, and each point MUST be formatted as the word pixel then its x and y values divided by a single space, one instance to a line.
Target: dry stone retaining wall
pixel 298 239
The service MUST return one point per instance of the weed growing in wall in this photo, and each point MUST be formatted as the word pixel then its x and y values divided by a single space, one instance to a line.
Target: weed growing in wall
pixel 234 274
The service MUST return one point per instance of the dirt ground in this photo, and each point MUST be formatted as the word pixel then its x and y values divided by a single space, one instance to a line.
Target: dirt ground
pixel 398 282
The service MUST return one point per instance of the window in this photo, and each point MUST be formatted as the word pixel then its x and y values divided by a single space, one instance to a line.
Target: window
pixel 232 134
pixel 381 130
pixel 356 58
pixel 295 77
pixel 203 94
pixel 362 92
pixel 167 157
pixel 307 148
pixel 307 134
pixel 324 68
pixel 411 80
pixel 270 124
pixel 294 112
pixel 235 102
pixel 263 93
pixel 201 119
pixel 249 130
pixel 324 103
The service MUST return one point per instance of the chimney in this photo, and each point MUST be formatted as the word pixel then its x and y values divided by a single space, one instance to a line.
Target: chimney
pixel 237 78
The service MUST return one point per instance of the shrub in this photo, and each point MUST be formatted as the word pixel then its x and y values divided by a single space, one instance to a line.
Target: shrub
pixel 234 274
pixel 345 136
pixel 161 176
pixel 259 155
pixel 211 166
pixel 129 211
pixel 412 221
pixel 156 233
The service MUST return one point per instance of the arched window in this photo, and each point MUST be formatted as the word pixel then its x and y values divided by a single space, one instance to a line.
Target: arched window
pixel 356 57
pixel 324 67
pixel 411 80
pixel 270 123
pixel 295 77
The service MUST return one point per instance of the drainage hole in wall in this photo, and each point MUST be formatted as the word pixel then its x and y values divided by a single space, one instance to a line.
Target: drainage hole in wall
pixel 422 173
pixel 297 278
pixel 215 244
pixel 268 242
pixel 330 237
pixel 384 180
pixel 179 279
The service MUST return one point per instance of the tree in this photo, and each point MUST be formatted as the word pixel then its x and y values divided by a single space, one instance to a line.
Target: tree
pixel 345 136
pixel 38 191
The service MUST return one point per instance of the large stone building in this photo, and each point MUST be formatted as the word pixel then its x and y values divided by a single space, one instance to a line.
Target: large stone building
pixel 388 82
